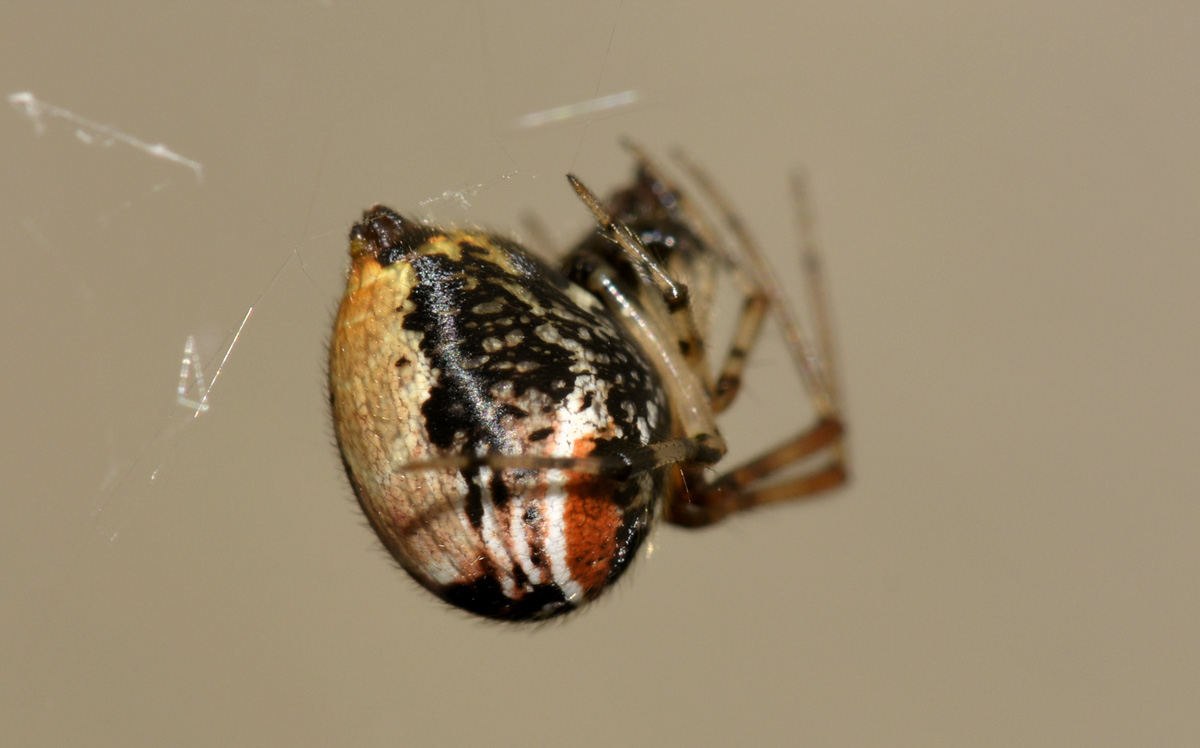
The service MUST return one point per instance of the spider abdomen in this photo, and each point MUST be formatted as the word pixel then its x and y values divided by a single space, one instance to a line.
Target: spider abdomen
pixel 456 344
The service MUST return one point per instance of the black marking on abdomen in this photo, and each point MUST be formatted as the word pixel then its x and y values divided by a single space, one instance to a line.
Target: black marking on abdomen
pixel 485 596
pixel 465 310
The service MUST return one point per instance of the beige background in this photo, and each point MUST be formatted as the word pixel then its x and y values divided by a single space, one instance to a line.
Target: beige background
pixel 1008 196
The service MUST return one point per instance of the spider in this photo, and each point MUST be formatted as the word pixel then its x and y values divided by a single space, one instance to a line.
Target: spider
pixel 513 431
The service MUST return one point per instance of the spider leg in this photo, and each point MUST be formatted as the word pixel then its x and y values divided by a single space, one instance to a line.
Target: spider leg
pixel 744 487
pixel 756 298
pixel 812 363
pixel 674 294
pixel 745 336
pixel 705 502
pixel 702 449
pixel 814 273
pixel 661 340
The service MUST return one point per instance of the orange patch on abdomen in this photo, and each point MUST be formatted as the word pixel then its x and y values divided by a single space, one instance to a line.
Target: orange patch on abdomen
pixel 592 522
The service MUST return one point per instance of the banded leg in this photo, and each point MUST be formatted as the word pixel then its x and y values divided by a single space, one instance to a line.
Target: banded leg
pixel 729 379
pixel 812 363
pixel 756 300
pixel 723 389
pixel 703 449
pixel 748 485
pixel 704 503
pixel 674 294
pixel 662 342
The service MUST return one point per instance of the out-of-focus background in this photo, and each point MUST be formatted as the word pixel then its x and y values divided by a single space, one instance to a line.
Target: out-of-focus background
pixel 1008 196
